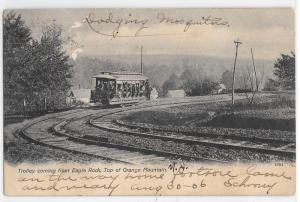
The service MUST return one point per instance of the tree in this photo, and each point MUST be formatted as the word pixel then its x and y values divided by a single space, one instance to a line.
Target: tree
pixel 172 83
pixel 250 85
pixel 284 70
pixel 199 87
pixel 227 79
pixel 16 49
pixel 52 70
pixel 37 72
pixel 271 85
pixel 188 74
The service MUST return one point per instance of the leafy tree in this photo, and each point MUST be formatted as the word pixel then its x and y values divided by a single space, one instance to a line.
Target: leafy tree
pixel 52 71
pixel 188 74
pixel 284 69
pixel 172 83
pixel 271 85
pixel 227 79
pixel 193 73
pixel 16 49
pixel 199 87
pixel 35 71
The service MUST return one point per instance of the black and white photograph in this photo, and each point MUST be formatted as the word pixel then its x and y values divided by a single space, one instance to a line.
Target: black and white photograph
pixel 150 87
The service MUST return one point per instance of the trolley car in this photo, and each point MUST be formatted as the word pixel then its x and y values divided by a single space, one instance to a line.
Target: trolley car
pixel 120 88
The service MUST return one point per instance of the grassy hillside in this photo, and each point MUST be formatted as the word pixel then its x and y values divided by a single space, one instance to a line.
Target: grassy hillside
pixel 269 112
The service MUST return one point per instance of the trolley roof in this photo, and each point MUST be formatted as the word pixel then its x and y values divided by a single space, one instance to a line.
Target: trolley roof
pixel 122 76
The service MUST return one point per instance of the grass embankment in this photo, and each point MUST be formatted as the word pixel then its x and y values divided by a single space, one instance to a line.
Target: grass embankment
pixel 274 112
pixel 271 118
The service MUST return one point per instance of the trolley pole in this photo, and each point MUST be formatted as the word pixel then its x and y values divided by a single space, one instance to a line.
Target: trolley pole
pixel 237 43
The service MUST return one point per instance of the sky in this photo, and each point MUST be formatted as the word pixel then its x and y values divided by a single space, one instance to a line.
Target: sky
pixel 268 31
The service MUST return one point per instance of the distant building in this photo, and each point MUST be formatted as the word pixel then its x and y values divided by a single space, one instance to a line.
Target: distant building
pixel 79 96
pixel 176 93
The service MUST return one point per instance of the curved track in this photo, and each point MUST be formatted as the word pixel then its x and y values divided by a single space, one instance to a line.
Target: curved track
pixel 258 145
pixel 90 131
pixel 44 131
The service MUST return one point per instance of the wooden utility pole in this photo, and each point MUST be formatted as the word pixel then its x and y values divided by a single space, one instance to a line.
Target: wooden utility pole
pixel 256 81
pixel 237 43
pixel 45 103
pixel 142 60
pixel 24 107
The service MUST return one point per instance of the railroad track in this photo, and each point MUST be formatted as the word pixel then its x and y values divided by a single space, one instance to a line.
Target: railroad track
pixel 260 146
pixel 41 132
pixel 45 132
pixel 277 147
pixel 109 134
pixel 78 132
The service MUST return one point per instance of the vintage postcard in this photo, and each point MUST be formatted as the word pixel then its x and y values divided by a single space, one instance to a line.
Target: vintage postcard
pixel 149 101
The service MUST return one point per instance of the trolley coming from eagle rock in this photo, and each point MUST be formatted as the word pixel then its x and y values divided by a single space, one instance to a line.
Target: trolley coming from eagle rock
pixel 120 88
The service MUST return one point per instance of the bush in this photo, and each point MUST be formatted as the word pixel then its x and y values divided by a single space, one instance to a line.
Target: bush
pixel 199 87
pixel 172 83
pixel 271 85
